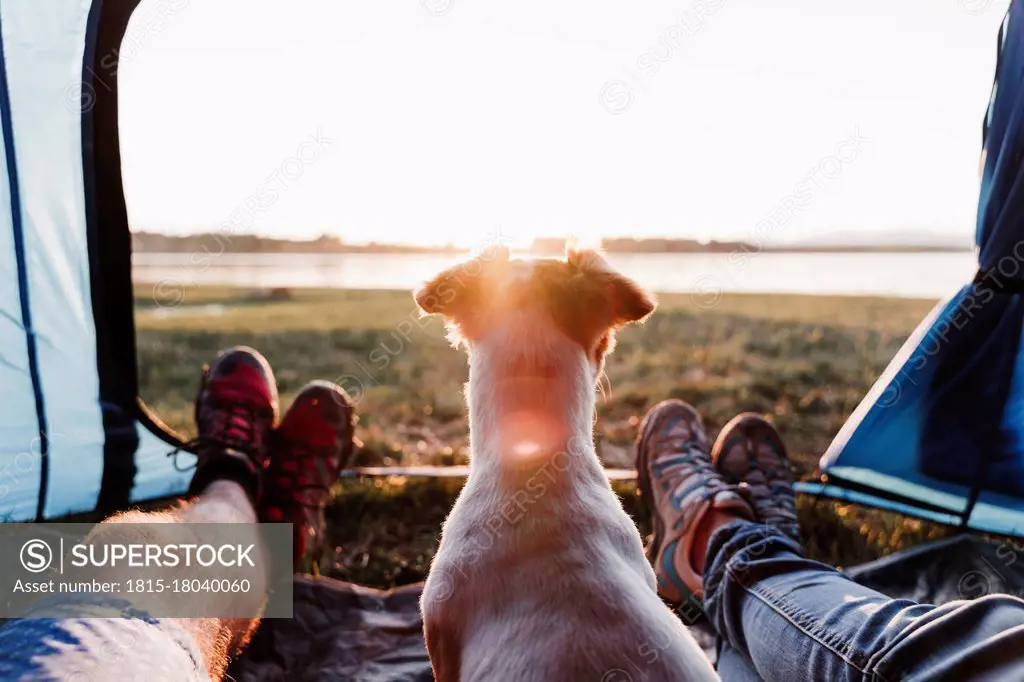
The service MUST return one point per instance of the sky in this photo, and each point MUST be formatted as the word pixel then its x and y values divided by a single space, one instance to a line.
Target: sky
pixel 434 121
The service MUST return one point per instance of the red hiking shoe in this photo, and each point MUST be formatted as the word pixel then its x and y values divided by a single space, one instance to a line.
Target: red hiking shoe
pixel 236 411
pixel 307 453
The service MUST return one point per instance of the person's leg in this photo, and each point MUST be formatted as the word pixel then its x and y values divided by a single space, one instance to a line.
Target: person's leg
pixel 107 636
pixel 799 619
pixel 236 412
pixel 732 666
pixel 689 501
pixel 792 618
pixel 220 502
pixel 110 637
pixel 829 627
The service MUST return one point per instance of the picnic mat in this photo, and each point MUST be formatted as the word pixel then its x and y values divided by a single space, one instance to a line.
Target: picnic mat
pixel 347 632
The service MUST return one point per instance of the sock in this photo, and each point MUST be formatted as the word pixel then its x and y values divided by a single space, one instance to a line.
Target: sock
pixel 226 467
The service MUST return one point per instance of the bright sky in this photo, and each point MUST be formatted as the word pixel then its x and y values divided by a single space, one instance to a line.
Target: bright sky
pixel 450 118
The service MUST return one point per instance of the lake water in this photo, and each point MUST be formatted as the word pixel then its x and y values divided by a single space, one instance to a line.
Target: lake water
pixel 925 275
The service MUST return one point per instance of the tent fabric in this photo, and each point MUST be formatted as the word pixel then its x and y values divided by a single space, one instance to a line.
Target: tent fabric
pixel 960 567
pixel 342 631
pixel 19 444
pixel 47 143
pixel 941 433
pixel 73 437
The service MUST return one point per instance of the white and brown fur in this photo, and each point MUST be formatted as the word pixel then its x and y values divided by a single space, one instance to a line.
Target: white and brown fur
pixel 540 574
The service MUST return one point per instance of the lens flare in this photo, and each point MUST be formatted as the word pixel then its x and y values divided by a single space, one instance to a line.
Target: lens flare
pixel 526 448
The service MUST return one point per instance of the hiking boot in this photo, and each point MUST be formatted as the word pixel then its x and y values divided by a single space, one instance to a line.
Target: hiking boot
pixel 308 451
pixel 235 412
pixel 680 486
pixel 750 453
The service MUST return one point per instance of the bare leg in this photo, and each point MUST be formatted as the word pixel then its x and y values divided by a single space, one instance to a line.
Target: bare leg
pixel 218 639
pixel 237 415
pixel 114 635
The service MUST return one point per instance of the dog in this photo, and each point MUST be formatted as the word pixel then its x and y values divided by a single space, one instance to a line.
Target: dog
pixel 540 574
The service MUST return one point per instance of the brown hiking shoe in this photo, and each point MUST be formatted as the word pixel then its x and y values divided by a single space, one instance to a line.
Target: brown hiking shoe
pixel 680 486
pixel 750 453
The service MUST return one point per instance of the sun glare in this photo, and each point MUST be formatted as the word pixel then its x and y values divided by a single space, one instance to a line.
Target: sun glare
pixel 440 132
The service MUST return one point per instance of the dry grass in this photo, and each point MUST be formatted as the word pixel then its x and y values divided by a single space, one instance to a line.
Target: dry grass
pixel 805 361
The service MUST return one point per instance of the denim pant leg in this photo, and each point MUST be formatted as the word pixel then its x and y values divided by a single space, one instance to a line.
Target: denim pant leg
pixel 732 666
pixel 797 619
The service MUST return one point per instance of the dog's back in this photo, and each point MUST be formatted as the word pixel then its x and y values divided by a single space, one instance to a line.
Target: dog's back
pixel 563 594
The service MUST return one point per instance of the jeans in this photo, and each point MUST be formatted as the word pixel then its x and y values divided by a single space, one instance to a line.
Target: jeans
pixel 102 639
pixel 787 618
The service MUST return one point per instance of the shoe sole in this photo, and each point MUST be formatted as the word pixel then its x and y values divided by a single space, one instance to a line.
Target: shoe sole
pixel 658 526
pixel 644 480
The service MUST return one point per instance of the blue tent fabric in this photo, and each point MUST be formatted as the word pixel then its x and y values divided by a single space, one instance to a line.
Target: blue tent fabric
pixel 941 433
pixel 73 435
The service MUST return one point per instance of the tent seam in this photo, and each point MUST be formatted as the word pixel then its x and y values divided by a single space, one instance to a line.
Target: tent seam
pixel 7 125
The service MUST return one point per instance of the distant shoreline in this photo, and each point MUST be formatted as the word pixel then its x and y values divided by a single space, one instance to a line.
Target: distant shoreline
pixel 437 251
pixel 214 243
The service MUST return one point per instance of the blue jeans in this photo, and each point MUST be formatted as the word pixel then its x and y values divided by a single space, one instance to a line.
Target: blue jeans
pixel 787 618
pixel 101 640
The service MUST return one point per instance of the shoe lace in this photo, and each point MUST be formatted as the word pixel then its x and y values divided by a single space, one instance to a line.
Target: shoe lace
pixel 232 427
pixel 773 492
pixel 782 497
pixel 689 465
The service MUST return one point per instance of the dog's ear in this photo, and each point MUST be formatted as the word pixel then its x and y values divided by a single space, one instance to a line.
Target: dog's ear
pixel 590 301
pixel 614 300
pixel 458 291
pixel 446 294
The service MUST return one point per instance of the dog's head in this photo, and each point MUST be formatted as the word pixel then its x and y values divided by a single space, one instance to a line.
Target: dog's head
pixel 579 297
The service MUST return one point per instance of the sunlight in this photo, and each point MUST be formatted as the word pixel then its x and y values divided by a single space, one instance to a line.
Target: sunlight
pixel 437 129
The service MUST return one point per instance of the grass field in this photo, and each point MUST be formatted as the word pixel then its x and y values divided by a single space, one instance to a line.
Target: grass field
pixel 804 361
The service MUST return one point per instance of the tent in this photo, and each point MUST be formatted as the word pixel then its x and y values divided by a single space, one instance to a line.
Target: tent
pixel 941 434
pixel 73 436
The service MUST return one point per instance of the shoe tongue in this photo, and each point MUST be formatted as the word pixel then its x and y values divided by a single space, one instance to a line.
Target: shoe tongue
pixel 307 424
pixel 679 429
pixel 243 384
pixel 732 502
